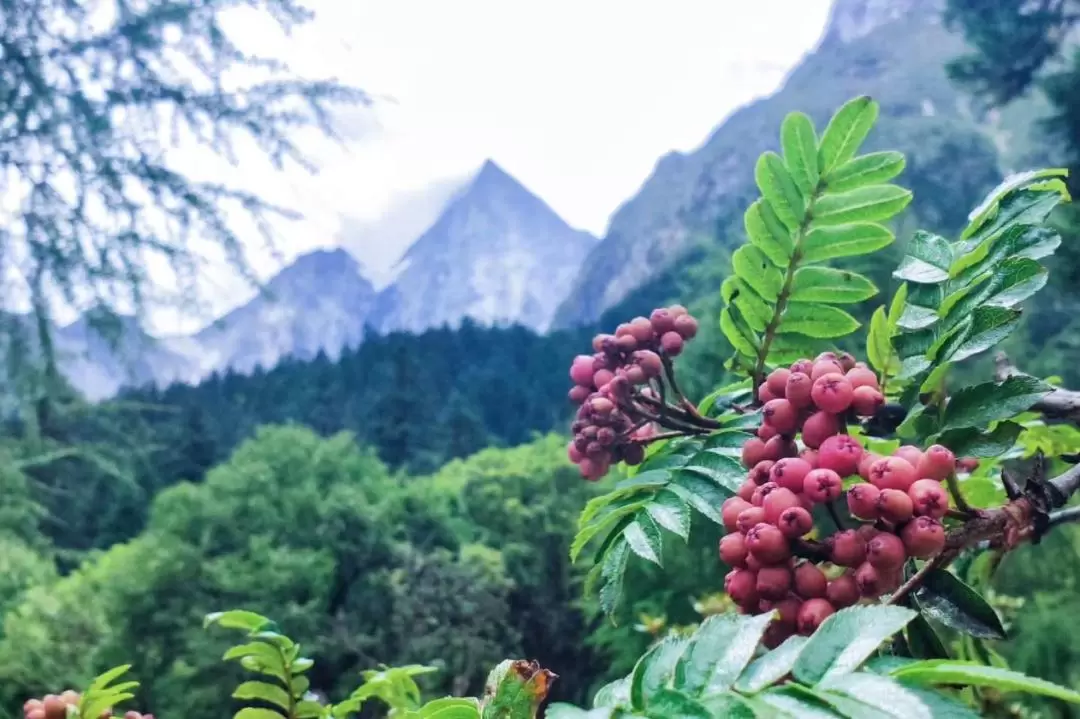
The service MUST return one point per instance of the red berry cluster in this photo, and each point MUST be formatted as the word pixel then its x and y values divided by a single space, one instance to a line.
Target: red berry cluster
pixel 55 706
pixel 901 501
pixel 613 388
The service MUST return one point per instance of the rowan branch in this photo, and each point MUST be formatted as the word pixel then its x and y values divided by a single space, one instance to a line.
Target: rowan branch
pixel 1059 404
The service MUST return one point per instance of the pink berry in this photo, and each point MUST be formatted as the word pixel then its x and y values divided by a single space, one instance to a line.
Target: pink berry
pixel 910 454
pixel 662 321
pixel 866 463
pixel 753 451
pixel 671 343
pixel 641 330
pixel 789 473
pixel 773 582
pixel 766 432
pixel 843 591
pixel 812 613
pixel 741 586
pixel 758 499
pixel 581 370
pixel 765 395
pixel 848 548
pixel 777 501
pixel 810 581
pixel 795 521
pixel 866 401
pixel 923 537
pixel 892 473
pixel 686 326
pixel 573 453
pixel 822 485
pixel 862 501
pixel 777 381
pixel 781 415
pixel 886 551
pixel 768 544
pixel 928 498
pixel 862 377
pixel 840 453
pixel 824 367
pixel 730 511
pixel 649 362
pixel 936 463
pixel 578 394
pixel 797 389
pixel 818 427
pixel 804 366
pixel 779 447
pixel 894 506
pixel 832 392
pixel 749 518
pixel 733 550
pixel 762 472
pixel 746 490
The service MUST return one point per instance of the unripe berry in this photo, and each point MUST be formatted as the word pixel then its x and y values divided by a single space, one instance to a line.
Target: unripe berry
pixel 686 326
pixel 758 499
pixel 573 453
pixel 650 362
pixel 730 511
pixel 910 454
pixel 671 343
pixel 662 321
pixel 812 613
pixel 746 490
pixel 840 453
pixel 892 473
pixel 795 521
pixel 741 586
pixel 810 581
pixel 804 365
pixel 779 447
pixel 848 549
pixel 862 377
pixel 824 367
pixel 866 401
pixel 797 389
pixel 822 485
pixel 937 463
pixel 862 501
pixel 581 370
pixel 790 473
pixel 768 544
pixel 777 501
pixel 895 506
pixel 773 582
pixel 886 551
pixel 842 591
pixel 753 451
pixel 923 537
pixel 832 392
pixel 929 498
pixel 777 381
pixel 733 550
pixel 762 471
pixel 749 518
pixel 781 415
pixel 818 427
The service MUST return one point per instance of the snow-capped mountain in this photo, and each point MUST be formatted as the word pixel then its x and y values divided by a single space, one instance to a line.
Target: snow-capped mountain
pixel 497 254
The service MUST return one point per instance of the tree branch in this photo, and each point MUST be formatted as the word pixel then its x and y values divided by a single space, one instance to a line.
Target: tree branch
pixel 1059 404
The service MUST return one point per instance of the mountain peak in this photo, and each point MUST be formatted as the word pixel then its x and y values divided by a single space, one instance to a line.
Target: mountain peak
pixel 491 175
pixel 853 19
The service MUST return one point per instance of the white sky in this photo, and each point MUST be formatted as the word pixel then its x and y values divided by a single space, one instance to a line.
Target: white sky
pixel 575 98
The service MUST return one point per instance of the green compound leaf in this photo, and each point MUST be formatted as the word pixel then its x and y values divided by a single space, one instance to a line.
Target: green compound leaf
pixel 754 309
pixel 768 233
pixel 817 320
pixel 859 238
pixel 946 671
pixel 799 140
pixel 979 405
pixel 871 169
pixel 755 269
pixel 865 204
pixel 264 692
pixel 654 670
pixel 946 599
pixel 831 286
pixel 927 260
pixel 972 442
pixel 645 540
pixel 738 332
pixel 671 512
pixel 988 326
pixel 845 640
pixel 845 133
pixel 769 668
pixel 669 704
pixel 718 652
pixel 882 695
pixel 779 189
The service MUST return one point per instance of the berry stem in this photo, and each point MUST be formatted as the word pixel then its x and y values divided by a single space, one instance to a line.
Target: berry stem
pixel 916 579
pixel 957 496
pixel 668 411
pixel 669 372
pixel 663 435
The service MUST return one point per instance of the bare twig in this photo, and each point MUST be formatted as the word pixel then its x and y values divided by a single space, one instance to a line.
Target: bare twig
pixel 1059 404
pixel 1064 516
pixel 917 578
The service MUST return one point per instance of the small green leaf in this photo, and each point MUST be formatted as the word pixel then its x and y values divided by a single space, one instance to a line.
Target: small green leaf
pixel 614 694
pixel 845 133
pixel 724 470
pixel 878 342
pixel 779 189
pixel 817 320
pixel 870 169
pixel 670 704
pixel 924 641
pixel 799 140
pixel 915 317
pixel 755 269
pixel 858 238
pixel 755 309
pixel 670 512
pixel 654 670
pixel 613 521
pixel 237 619
pixel 981 404
pixel 768 233
pixel 946 671
pixel 896 308
pixel 886 697
pixel 791 702
pixel 721 648
pixel 770 667
pixel 865 204
pixel 266 692
pixel 701 494
pixel 972 442
pixel 946 599
pixel 252 713
pixel 729 706
pixel 645 539
pixel 454 708
pixel 989 325
pixel 844 641
pixel 1010 184
pixel 108 677
pixel 611 571
pixel 737 332
pixel 831 286
pixel 927 259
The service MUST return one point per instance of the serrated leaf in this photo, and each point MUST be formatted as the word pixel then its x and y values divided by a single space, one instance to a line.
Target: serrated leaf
pixel 728 442
pixel 779 189
pixel 927 259
pixel 1021 241
pixel 924 641
pixel 253 713
pixel 846 639
pixel 878 341
pixel 874 203
pixel 614 521
pixel 947 671
pixel 718 653
pixel 700 493
pixel 981 404
pixel 738 333
pixel 870 169
pixel 645 539
pixel 613 694
pixel 719 467
pixel 611 571
pixel 768 233
pixel 454 708
pixel 845 133
pixel 654 670
pixel 896 307
pixel 263 691
pixel 817 320
pixel 770 667
pixel 944 598
pixel 670 704
pixel 989 325
pixel 857 238
pixel 916 318
pixel 671 512
pixel 972 442
pixel 755 269
pixel 799 141
pixel 831 286
pixel 237 619
pixel 729 706
pixel 1010 184
pixel 755 310
pixel 789 702
pixel 887 697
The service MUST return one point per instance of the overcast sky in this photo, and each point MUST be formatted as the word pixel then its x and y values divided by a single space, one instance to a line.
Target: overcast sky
pixel 575 98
